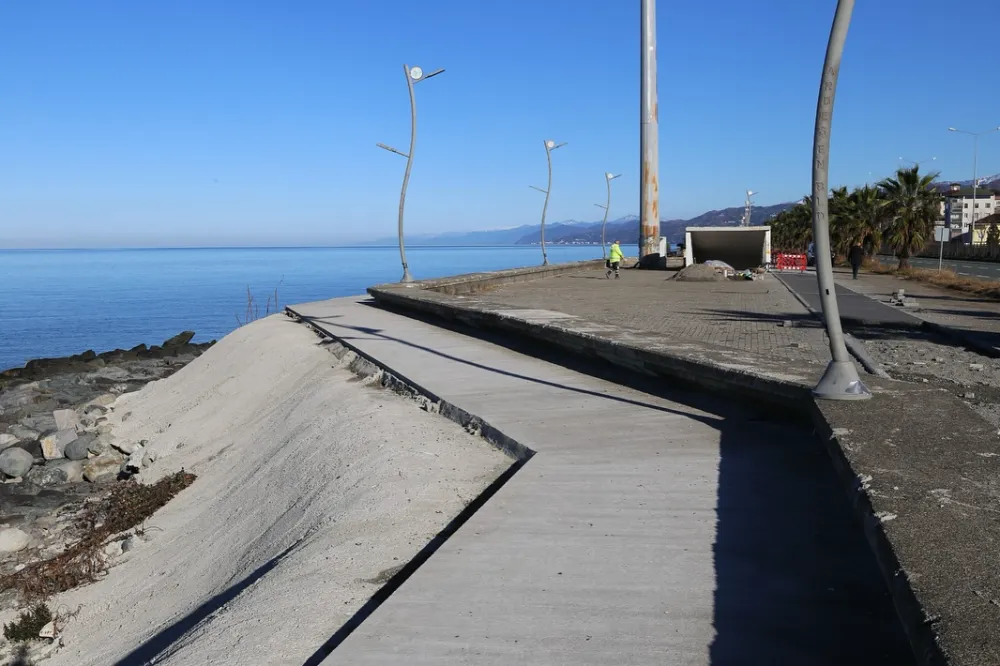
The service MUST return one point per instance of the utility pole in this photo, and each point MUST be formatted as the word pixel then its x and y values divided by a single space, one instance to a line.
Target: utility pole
pixel 841 380
pixel 649 143
pixel 975 177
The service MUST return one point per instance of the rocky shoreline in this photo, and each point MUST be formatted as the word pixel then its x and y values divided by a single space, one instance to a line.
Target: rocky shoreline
pixel 57 448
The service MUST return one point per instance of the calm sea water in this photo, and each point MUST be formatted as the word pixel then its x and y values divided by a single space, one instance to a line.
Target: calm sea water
pixel 62 302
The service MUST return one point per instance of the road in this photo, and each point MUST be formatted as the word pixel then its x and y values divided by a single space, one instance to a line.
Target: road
pixel 984 269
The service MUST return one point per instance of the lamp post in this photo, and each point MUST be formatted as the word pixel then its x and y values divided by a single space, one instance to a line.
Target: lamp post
pixel 607 177
pixel 748 208
pixel 413 75
pixel 550 145
pixel 840 381
pixel 915 163
pixel 975 181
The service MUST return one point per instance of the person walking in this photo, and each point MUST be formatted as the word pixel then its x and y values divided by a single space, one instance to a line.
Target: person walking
pixel 856 255
pixel 615 257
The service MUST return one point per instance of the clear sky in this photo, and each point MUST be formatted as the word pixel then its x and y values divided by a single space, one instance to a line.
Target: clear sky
pixel 217 121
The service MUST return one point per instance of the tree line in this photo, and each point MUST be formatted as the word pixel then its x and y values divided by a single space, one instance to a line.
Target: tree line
pixel 896 214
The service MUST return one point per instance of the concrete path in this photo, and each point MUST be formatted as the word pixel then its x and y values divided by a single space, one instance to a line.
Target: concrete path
pixel 855 308
pixel 644 530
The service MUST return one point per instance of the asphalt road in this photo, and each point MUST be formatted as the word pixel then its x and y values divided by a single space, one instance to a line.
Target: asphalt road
pixel 983 269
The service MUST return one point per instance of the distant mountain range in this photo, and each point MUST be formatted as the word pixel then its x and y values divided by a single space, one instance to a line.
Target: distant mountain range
pixel 575 232
pixel 624 229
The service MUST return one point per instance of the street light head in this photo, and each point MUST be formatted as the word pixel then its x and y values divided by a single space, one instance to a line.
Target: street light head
pixel 609 175
pixel 952 129
pixel 550 144
pixel 416 74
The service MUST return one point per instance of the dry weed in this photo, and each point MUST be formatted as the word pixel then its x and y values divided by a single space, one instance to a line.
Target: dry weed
pixel 125 507
pixel 945 279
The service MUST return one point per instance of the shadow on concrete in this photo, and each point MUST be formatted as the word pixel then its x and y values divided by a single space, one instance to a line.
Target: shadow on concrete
pixel 165 642
pixel 347 337
pixel 798 319
pixel 795 580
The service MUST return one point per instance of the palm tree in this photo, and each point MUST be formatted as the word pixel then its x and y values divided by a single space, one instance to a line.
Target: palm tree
pixel 791 229
pixel 841 220
pixel 912 206
pixel 869 211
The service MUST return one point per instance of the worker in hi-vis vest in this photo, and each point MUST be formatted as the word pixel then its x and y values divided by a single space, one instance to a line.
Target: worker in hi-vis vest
pixel 615 257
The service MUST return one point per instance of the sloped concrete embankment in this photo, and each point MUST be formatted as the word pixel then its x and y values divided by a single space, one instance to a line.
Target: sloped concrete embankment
pixel 316 491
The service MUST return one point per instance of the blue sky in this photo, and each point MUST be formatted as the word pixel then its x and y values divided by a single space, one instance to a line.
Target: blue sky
pixel 210 121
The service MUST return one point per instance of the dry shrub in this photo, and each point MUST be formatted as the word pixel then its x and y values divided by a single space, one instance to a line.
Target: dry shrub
pixel 946 278
pixel 126 506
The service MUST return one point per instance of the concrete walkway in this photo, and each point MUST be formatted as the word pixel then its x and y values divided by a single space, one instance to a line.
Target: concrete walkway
pixel 645 530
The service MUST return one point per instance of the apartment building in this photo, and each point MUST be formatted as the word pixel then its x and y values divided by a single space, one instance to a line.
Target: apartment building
pixel 960 209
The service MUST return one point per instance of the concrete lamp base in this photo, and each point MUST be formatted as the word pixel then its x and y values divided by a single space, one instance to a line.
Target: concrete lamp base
pixel 841 382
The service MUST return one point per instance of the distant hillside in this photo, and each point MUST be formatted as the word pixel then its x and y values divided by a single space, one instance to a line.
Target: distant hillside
pixel 574 232
pixel 626 229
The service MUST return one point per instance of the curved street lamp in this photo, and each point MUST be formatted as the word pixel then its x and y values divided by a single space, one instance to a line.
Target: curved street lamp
pixel 608 177
pixel 550 145
pixel 841 380
pixel 975 181
pixel 915 162
pixel 413 75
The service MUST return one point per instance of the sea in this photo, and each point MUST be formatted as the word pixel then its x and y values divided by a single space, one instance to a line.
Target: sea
pixel 62 302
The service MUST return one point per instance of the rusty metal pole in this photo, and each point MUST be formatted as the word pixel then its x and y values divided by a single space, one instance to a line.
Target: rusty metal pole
pixel 841 380
pixel 649 142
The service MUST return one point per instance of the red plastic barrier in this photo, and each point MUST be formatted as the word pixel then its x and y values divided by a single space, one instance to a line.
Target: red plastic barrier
pixel 784 261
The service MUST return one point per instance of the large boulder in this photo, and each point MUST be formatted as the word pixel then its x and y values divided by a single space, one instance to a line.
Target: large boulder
pixel 66 419
pixel 15 461
pixel 22 432
pixel 104 467
pixel 72 468
pixel 13 540
pixel 46 475
pixel 7 440
pixel 79 448
pixel 179 340
pixel 54 444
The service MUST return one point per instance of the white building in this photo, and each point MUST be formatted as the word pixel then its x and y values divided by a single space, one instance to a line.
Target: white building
pixel 959 210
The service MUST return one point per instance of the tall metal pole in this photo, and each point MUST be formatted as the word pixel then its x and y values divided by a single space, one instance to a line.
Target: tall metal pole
pixel 545 206
pixel 608 177
pixel 406 174
pixel 649 219
pixel 550 145
pixel 413 75
pixel 975 186
pixel 975 176
pixel 840 381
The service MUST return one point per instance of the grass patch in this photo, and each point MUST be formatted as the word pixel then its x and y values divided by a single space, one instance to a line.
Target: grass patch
pixel 28 624
pixel 946 278
pixel 128 505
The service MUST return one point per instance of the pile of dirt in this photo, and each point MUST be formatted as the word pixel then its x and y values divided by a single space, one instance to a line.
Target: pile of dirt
pixel 700 273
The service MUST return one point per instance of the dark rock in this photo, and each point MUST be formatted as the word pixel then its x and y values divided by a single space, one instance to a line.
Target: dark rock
pixel 88 355
pixel 179 340
pixel 79 448
pixel 138 349
pixel 46 476
pixel 156 352
pixel 15 461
